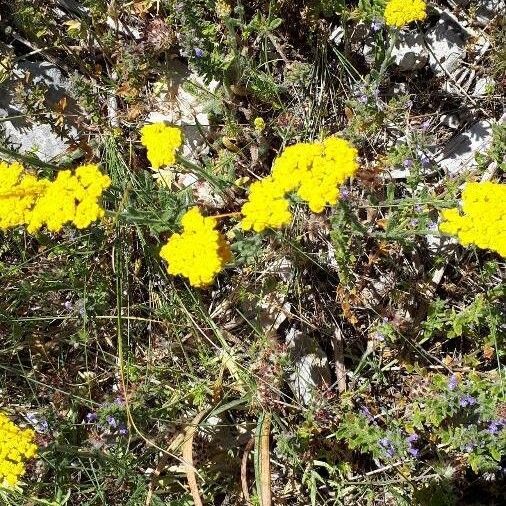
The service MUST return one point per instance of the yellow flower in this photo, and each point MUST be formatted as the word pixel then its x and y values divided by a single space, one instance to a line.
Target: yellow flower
pixel 401 12
pixel 223 9
pixel 26 200
pixel 483 218
pixel 70 198
pixel 314 170
pixel 199 253
pixel 18 193
pixel 16 446
pixel 259 124
pixel 162 142
pixel 267 206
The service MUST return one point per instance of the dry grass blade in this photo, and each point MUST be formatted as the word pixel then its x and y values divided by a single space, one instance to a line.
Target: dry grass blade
pixel 188 457
pixel 262 459
pixel 339 360
pixel 244 470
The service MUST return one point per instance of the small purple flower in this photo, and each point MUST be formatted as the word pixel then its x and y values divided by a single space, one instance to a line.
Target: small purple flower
pixel 387 445
pixel 425 125
pixel 376 25
pixel 495 427
pixel 68 305
pixel 365 411
pixel 119 401
pixel 408 163
pixel 122 430
pixel 113 423
pixel 424 160
pixel 199 53
pixel 414 222
pixel 91 417
pixel 432 225
pixel 469 447
pixel 363 99
pixel 412 438
pixel 344 193
pixel 415 452
pixel 467 400
pixel 452 382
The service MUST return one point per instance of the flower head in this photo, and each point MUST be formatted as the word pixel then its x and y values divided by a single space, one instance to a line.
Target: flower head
pixel 401 12
pixel 70 198
pixel 483 218
pixel 162 142
pixel 259 124
pixel 467 400
pixel 199 253
pixel 314 170
pixel 16 447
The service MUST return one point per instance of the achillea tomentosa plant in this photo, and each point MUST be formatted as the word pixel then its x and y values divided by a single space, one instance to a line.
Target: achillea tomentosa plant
pixel 16 447
pixel 161 141
pixel 483 218
pixel 402 12
pixel 313 170
pixel 199 252
pixel 70 198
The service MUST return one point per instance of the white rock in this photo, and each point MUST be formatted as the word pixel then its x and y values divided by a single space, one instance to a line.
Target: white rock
pixel 39 138
pixel 409 52
pixel 176 104
pixel 482 86
pixel 458 155
pixel 311 368
pixel 450 120
pixel 447 47
pixel 488 10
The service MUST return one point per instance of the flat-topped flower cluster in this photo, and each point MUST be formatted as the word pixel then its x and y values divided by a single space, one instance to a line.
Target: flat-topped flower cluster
pixel 16 447
pixel 314 171
pixel 402 12
pixel 483 218
pixel 73 197
pixel 199 252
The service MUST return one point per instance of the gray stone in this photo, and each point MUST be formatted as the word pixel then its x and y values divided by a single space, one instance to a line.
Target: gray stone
pixel 409 52
pixel 34 135
pixel 459 154
pixel 450 120
pixel 311 369
pixel 446 45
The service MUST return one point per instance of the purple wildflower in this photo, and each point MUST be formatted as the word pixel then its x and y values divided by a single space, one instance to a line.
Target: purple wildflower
pixel 467 400
pixel 119 401
pixel 413 438
pixel 344 193
pixel 113 423
pixel 387 445
pixel 91 417
pixel 122 430
pixel 199 53
pixel 469 447
pixel 452 382
pixel 408 163
pixel 424 160
pixel 495 427
pixel 365 411
pixel 376 25
pixel 363 99
pixel 415 452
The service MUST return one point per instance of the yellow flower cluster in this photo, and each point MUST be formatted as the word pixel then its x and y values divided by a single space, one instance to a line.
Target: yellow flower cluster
pixel 70 198
pixel 162 142
pixel 16 446
pixel 313 170
pixel 483 221
pixel 200 252
pixel 401 12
